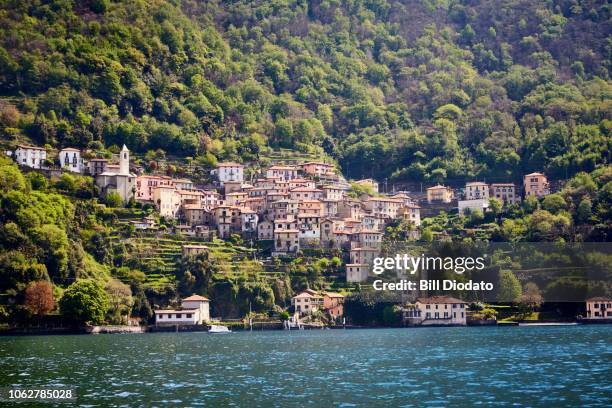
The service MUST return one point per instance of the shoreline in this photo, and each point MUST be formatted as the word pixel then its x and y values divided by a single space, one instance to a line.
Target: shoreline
pixel 95 330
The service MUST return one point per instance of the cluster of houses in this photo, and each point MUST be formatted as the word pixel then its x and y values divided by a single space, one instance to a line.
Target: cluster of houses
pixel 295 206
pixel 476 194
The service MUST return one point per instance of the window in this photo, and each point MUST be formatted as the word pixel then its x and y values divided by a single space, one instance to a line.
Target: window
pixel 596 305
pixel 189 315
pixel 454 315
pixel 462 314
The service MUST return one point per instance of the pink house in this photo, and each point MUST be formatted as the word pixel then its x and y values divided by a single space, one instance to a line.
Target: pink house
pixel 317 168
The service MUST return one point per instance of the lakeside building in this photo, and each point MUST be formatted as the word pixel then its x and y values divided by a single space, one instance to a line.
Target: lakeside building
pixel 310 301
pixel 466 206
pixel 439 194
pixel 30 156
pixel 70 159
pixel 120 180
pixel 505 192
pixel 436 311
pixel 194 310
pixel 229 172
pixel 476 190
pixel 536 184
pixel 599 308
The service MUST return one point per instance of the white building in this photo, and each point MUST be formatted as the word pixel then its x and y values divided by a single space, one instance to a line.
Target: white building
pixel 122 181
pixel 436 311
pixel 307 302
pixel 229 172
pixel 194 310
pixel 70 159
pixel 471 205
pixel 30 156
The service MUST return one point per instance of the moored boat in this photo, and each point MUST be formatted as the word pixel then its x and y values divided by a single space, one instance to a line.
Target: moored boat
pixel 218 329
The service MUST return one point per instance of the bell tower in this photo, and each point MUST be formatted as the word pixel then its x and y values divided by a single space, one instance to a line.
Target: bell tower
pixel 124 161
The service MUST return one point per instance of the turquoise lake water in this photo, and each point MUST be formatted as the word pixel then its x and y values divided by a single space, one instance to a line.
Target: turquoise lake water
pixel 456 367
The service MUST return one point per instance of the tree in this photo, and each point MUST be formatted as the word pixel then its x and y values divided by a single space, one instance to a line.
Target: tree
pixel 509 288
pixel 531 298
pixel 11 178
pixel 584 213
pixel 120 301
pixel 554 203
pixel 84 302
pixel 427 235
pixel 392 315
pixel 195 274
pixel 113 199
pixel 38 181
pixel 283 132
pixel 55 249
pixel 39 298
pixel 495 206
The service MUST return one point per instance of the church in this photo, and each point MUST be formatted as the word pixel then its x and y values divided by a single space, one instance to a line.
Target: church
pixel 122 181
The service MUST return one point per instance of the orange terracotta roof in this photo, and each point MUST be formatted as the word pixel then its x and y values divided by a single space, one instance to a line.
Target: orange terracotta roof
pixel 193 298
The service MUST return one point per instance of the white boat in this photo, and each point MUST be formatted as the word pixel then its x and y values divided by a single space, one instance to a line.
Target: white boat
pixel 218 329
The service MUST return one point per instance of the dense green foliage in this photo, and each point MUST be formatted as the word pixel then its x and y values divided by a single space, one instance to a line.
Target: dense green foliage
pixel 435 91
pixel 85 301
pixel 417 90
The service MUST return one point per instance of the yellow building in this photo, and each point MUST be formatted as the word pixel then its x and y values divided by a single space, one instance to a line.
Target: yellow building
pixel 439 194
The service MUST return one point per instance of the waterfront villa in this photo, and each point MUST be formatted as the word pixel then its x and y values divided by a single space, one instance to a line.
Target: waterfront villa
pixel 194 310
pixel 599 308
pixel 436 311
pixel 310 300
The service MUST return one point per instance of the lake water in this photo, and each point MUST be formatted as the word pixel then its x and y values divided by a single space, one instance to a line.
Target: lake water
pixel 462 366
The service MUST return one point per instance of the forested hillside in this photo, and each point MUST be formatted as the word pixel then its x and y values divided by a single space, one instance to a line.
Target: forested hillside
pixel 413 90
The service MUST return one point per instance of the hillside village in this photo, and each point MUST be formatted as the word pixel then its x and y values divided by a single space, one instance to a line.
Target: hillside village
pixel 294 207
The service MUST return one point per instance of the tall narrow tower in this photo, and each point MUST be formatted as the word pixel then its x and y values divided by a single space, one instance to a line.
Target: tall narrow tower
pixel 124 161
